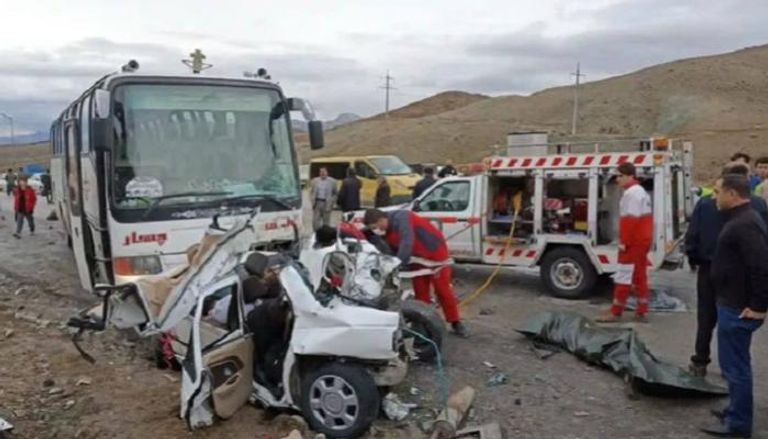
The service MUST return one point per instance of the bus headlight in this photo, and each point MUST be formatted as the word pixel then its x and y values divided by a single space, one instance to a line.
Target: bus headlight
pixel 137 266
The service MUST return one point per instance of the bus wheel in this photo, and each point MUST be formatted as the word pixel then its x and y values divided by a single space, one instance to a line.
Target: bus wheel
pixel 568 273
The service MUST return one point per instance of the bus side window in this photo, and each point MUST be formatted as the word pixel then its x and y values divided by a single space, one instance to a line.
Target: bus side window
pixel 85 125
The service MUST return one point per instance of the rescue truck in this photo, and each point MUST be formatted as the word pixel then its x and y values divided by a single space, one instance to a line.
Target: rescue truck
pixel 568 223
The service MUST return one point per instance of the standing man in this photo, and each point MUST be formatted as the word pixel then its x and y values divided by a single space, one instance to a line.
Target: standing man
pixel 740 277
pixel 635 237
pixel 24 200
pixel 448 170
pixel 349 194
pixel 47 188
pixel 761 167
pixel 700 242
pixel 410 235
pixel 425 183
pixel 323 193
pixel 742 158
pixel 383 194
pixel 10 182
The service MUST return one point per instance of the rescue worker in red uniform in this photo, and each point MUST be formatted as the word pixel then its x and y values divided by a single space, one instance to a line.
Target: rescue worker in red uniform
pixel 410 235
pixel 635 237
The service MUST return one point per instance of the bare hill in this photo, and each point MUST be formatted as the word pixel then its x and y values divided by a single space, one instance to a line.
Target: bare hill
pixel 439 103
pixel 20 155
pixel 720 102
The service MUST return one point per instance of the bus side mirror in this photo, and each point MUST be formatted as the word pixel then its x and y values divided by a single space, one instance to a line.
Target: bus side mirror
pixel 101 132
pixel 316 140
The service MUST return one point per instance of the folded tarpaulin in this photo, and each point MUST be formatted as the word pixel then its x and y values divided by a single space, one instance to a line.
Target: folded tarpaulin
pixel 618 349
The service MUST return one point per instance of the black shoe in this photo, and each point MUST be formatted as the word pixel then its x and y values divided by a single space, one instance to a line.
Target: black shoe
pixel 17 236
pixel 698 370
pixel 460 329
pixel 723 431
pixel 719 414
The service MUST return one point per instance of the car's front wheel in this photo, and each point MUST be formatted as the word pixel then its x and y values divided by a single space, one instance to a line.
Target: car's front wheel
pixel 340 400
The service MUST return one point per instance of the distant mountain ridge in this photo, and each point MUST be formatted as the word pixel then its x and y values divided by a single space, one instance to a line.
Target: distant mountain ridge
pixel 35 137
pixel 341 119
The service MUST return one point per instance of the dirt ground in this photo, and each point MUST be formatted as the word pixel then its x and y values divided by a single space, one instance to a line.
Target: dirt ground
pixel 49 391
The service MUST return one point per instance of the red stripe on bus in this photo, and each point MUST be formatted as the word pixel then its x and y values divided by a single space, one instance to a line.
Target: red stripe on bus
pixel 512 163
pixel 622 159
pixel 572 161
pixel 531 254
pixel 541 161
pixel 604 160
pixel 639 159
pixel 603 259
pixel 588 160
pixel 556 161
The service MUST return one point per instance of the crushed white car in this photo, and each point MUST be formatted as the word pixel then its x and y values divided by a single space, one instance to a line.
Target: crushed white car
pixel 254 329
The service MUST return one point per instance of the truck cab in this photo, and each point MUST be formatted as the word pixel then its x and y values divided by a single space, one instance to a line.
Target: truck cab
pixel 568 221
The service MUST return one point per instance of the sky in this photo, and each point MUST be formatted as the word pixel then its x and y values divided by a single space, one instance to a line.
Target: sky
pixel 336 53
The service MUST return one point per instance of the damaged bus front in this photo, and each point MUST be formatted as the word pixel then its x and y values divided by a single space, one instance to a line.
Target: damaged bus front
pixel 142 162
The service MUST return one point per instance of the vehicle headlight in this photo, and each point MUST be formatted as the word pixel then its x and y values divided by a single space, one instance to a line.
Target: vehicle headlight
pixel 138 266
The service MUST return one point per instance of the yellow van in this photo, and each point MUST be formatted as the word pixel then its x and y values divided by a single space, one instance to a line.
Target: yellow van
pixel 400 176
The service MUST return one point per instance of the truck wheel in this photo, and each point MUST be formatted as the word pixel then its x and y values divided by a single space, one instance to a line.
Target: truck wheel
pixel 340 400
pixel 568 273
pixel 421 318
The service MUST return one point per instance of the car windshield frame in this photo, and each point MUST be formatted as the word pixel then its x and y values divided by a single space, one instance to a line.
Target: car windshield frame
pixel 277 177
pixel 383 170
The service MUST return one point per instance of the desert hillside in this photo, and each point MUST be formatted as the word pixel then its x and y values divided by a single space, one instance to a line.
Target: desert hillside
pixel 20 155
pixel 720 102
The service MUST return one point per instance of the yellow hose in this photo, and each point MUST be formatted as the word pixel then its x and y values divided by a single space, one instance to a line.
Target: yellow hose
pixel 517 202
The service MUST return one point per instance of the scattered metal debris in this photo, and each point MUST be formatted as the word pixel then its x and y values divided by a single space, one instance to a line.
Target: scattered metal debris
pixel 660 301
pixel 395 409
pixel 489 365
pixel 84 381
pixel 498 379
pixel 487 431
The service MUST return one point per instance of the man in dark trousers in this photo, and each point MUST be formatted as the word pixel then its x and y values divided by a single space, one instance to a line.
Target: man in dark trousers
pixel 383 194
pixel 410 235
pixel 24 200
pixel 739 274
pixel 425 183
pixel 706 222
pixel 349 194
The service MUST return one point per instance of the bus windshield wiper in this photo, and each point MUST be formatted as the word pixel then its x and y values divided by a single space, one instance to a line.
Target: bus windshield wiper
pixel 262 197
pixel 156 201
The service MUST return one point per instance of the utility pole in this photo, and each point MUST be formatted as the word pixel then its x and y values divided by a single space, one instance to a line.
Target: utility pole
pixel 578 76
pixel 10 119
pixel 387 87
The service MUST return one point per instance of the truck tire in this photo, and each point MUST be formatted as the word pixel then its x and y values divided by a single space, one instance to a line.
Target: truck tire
pixel 568 273
pixel 340 400
pixel 422 318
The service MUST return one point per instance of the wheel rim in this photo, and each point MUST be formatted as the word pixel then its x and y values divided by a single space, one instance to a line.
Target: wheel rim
pixel 334 402
pixel 566 274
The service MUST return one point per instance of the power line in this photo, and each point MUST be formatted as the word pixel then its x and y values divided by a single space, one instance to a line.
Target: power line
pixel 388 80
pixel 578 76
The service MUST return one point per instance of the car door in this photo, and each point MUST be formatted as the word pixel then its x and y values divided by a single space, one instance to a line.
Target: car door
pixel 217 375
pixel 449 205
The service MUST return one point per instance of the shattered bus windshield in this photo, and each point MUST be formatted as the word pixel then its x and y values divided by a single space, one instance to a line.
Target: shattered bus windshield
pixel 193 144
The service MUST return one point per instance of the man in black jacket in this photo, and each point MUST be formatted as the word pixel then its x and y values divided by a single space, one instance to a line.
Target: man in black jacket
pixel 739 275
pixel 349 194
pixel 425 183
pixel 706 222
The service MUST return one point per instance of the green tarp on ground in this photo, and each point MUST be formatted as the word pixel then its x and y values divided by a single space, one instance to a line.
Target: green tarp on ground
pixel 619 349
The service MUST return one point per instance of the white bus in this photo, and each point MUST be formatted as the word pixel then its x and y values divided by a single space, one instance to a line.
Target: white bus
pixel 142 162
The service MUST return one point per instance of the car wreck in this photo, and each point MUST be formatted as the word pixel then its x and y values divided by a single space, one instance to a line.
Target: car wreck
pixel 261 327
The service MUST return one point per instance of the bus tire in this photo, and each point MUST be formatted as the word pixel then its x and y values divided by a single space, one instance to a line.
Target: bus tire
pixel 568 273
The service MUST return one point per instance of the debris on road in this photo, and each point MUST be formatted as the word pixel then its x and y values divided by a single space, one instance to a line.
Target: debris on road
pixel 395 409
pixel 487 431
pixel 489 365
pixel 581 414
pixel 49 382
pixel 286 424
pixel 5 425
pixel 447 423
pixel 56 391
pixel 498 379
pixel 295 434
pixel 660 301
pixel 8 333
pixel 618 349
pixel 84 381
